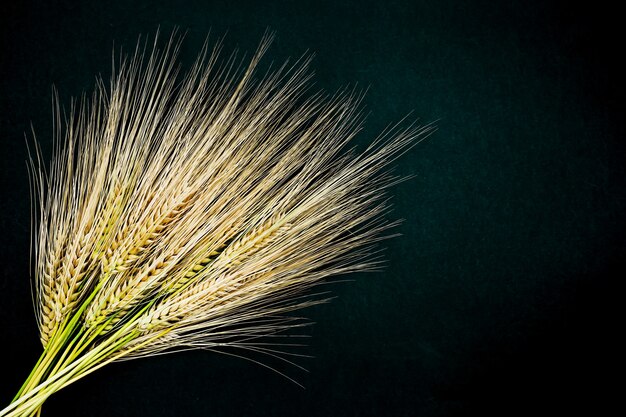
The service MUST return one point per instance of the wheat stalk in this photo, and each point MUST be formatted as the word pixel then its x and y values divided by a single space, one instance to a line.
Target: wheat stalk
pixel 196 212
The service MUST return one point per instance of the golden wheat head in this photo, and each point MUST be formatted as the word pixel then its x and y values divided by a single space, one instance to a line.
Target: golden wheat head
pixel 196 211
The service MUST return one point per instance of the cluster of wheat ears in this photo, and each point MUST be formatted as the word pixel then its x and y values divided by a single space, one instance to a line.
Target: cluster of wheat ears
pixel 197 211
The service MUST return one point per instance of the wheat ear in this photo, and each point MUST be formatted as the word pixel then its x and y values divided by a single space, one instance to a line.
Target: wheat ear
pixel 198 211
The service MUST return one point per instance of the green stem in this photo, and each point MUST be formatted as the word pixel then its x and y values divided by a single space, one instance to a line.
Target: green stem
pixel 33 399
pixel 49 360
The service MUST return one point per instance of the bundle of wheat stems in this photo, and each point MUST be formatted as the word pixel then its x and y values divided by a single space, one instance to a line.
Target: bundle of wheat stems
pixel 197 211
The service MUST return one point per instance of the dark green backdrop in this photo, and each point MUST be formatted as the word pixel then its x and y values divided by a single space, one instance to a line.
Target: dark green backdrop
pixel 498 298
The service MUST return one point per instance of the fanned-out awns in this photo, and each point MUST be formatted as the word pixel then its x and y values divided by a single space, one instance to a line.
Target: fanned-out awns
pixel 198 211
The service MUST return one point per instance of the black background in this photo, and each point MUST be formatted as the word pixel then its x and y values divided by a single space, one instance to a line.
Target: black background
pixel 499 298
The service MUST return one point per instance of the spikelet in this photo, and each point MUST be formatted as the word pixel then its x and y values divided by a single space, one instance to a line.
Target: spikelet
pixel 197 211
